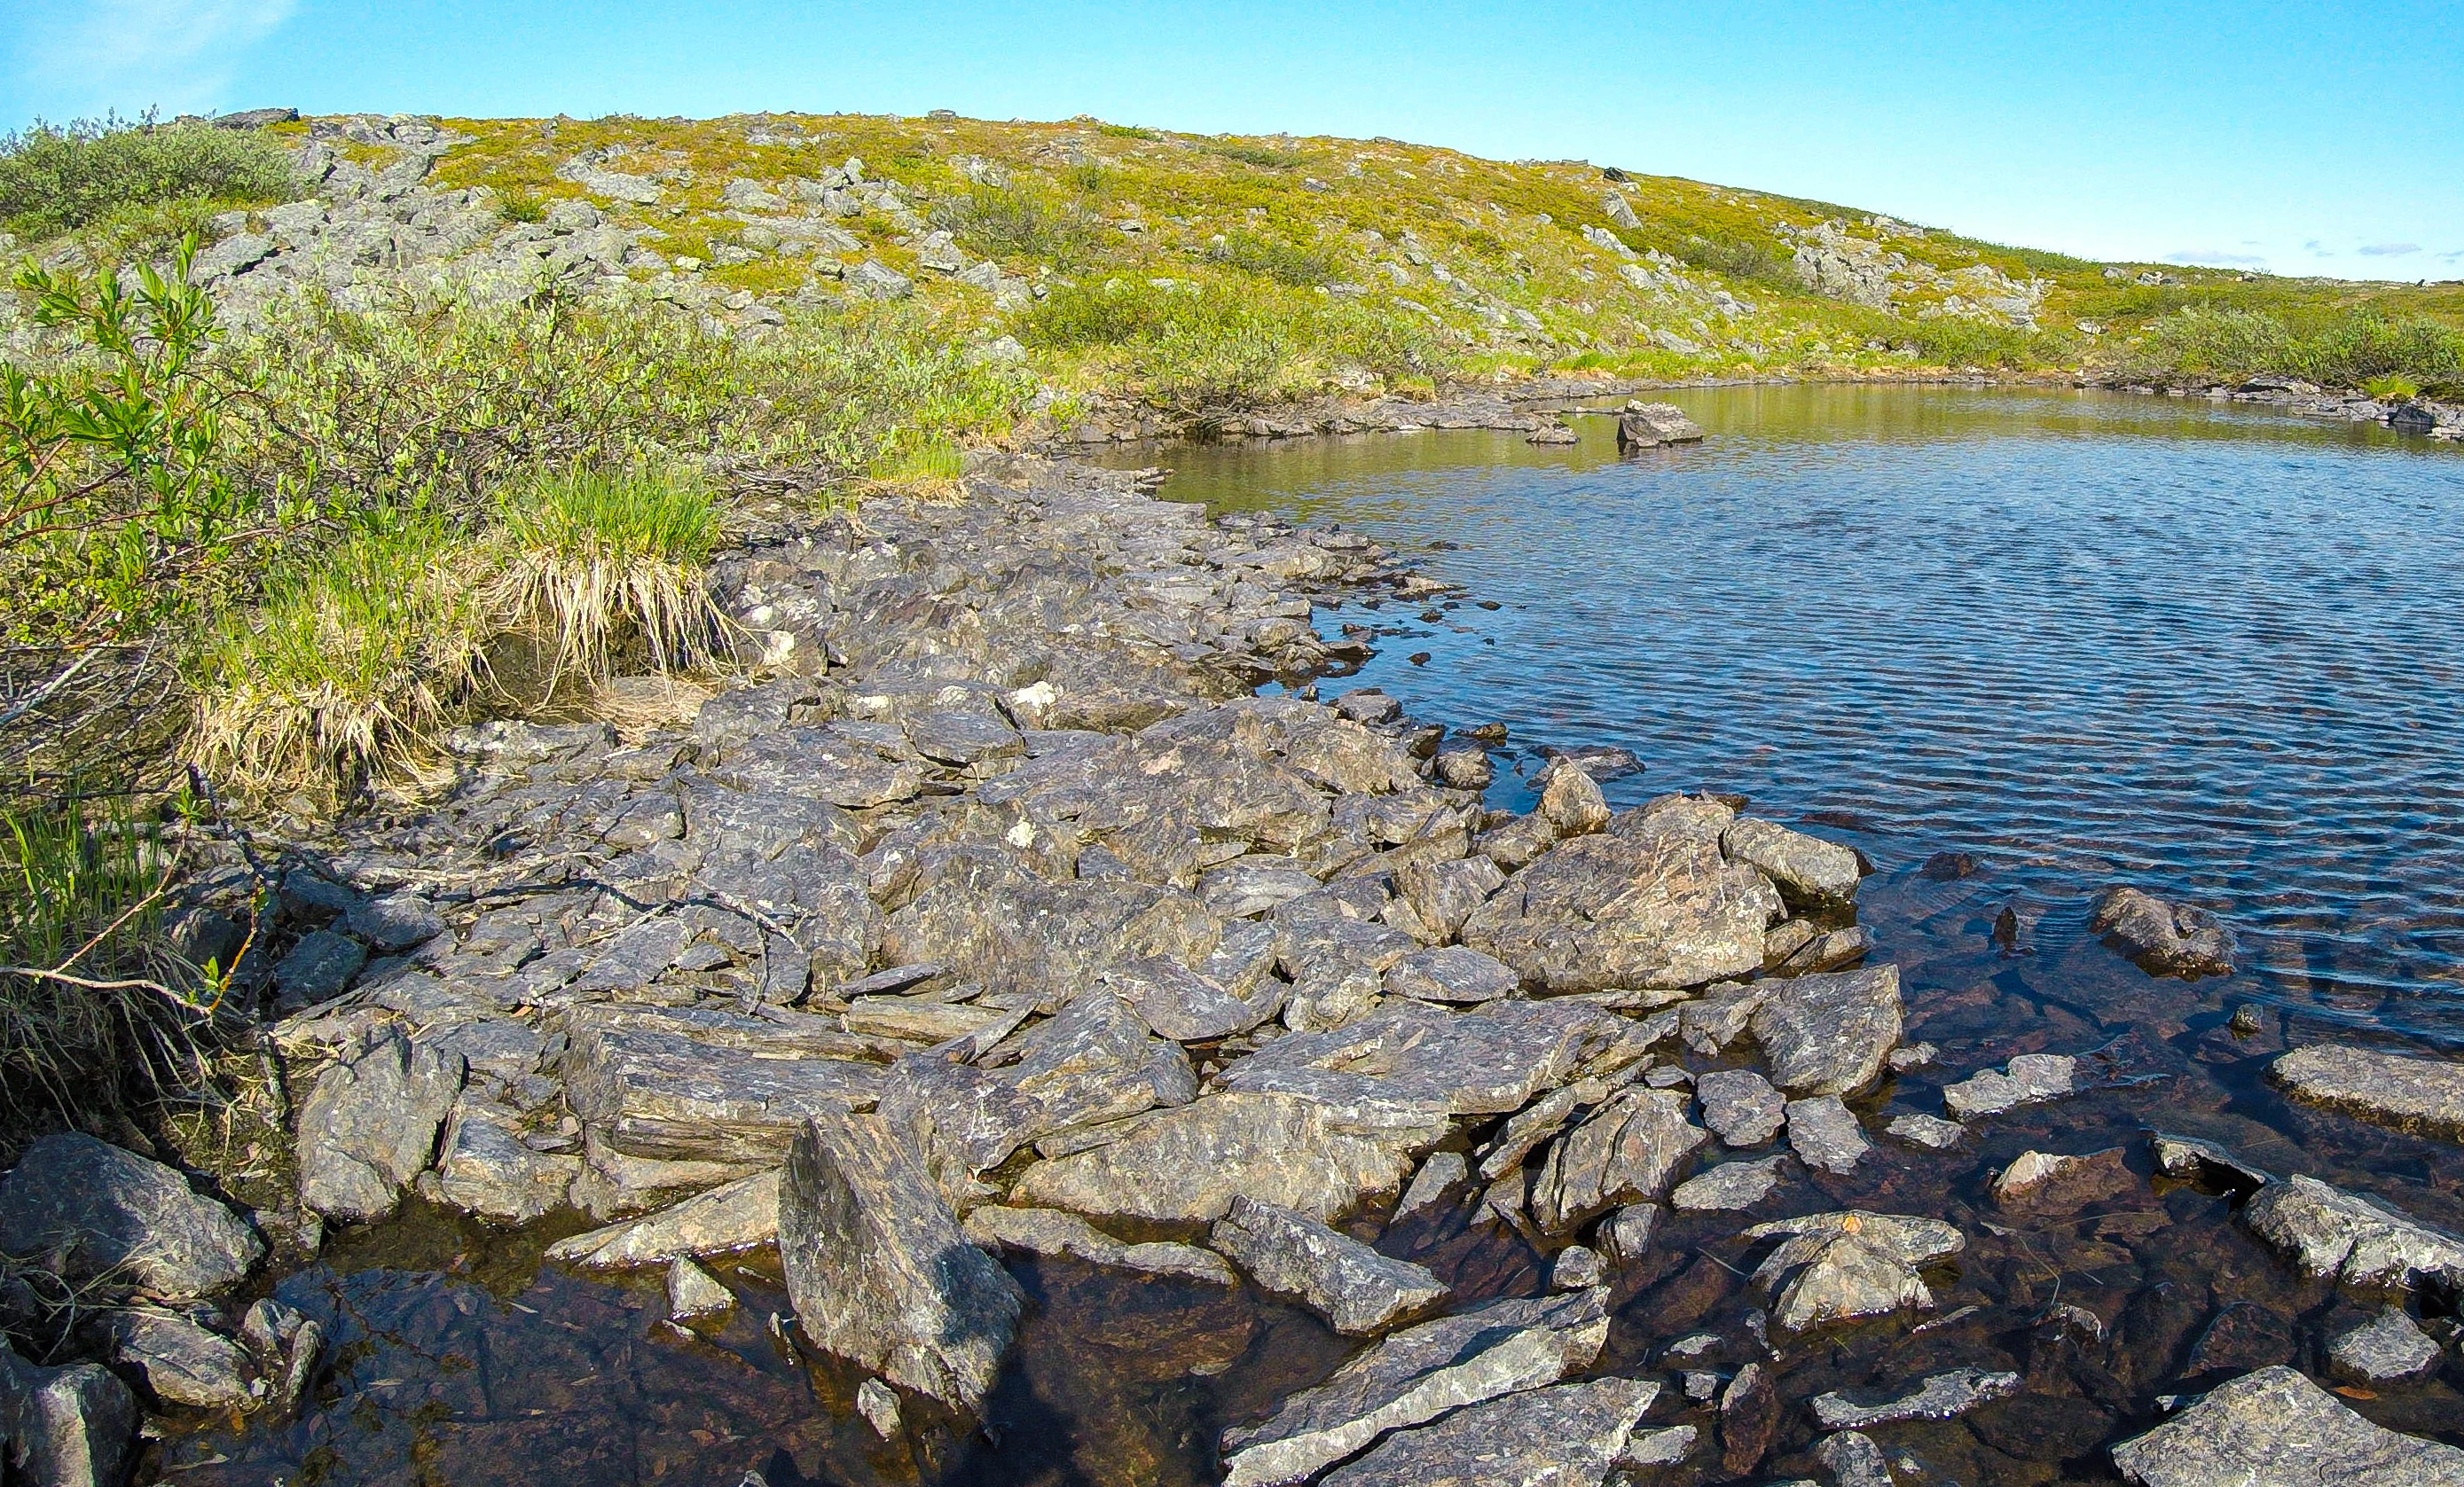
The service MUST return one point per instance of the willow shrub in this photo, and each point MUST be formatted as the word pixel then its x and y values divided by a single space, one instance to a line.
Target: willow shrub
pixel 2346 349
pixel 55 178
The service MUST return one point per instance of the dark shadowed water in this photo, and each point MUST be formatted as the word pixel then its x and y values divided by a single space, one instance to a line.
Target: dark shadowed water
pixel 2083 639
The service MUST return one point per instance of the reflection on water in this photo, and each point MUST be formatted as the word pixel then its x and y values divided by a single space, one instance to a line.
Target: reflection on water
pixel 2079 638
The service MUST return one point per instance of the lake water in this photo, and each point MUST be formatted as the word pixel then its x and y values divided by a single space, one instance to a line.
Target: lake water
pixel 2083 639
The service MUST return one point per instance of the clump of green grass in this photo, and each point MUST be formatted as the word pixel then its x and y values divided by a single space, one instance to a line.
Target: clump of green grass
pixel 2391 387
pixel 1017 222
pixel 926 467
pixel 55 178
pixel 601 557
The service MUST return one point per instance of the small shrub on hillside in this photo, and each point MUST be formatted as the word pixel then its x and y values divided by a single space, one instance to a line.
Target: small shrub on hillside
pixel 1953 341
pixel 1738 258
pixel 1259 155
pixel 1124 132
pixel 57 177
pixel 2400 389
pixel 1017 222
pixel 2200 345
pixel 1285 262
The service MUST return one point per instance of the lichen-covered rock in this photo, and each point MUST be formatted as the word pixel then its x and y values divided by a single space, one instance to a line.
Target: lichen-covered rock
pixel 1731 1187
pixel 1828 1034
pixel 1611 910
pixel 370 1125
pixel 1625 1150
pixel 738 1216
pixel 1824 1134
pixel 1357 1290
pixel 1941 1396
pixel 1740 1106
pixel 85 1210
pixel 181 1362
pixel 2357 1239
pixel 878 1269
pixel 1833 1266
pixel 2028 1079
pixel 2424 1095
pixel 1417 1060
pixel 1452 974
pixel 690 1086
pixel 1809 872
pixel 1045 1231
pixel 2165 939
pixel 1560 1436
pixel 693 1292
pixel 2388 1347
pixel 2276 1429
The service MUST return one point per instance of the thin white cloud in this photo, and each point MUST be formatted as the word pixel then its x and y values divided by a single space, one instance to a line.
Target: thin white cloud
pixel 2387 250
pixel 2216 256
pixel 136 53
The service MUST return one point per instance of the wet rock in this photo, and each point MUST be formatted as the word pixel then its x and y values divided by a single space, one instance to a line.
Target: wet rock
pixel 1830 949
pixel 67 1427
pixel 1441 1173
pixel 1828 1034
pixel 1854 1460
pixel 1357 1290
pixel 180 1362
pixel 2382 1351
pixel 1940 1397
pixel 1451 974
pixel 2241 1336
pixel 1414 1061
pixel 1185 1165
pixel 1911 1056
pixel 1749 1419
pixel 2357 1239
pixel 738 1216
pixel 693 1292
pixel 2425 1095
pixel 1465 769
pixel 1824 1134
pixel 318 969
pixel 370 1125
pixel 2027 1079
pixel 1731 1187
pixel 1625 1150
pixel 667 1085
pixel 1740 1106
pixel 1560 1436
pixel 485 1168
pixel 1624 911
pixel 1927 1131
pixel 1577 1268
pixel 2193 1160
pixel 1415 1376
pixel 1625 1236
pixel 878 1403
pixel 285 1346
pixel 878 1270
pixel 2276 1429
pixel 1833 1266
pixel 1809 872
pixel 1571 801
pixel 2045 1181
pixel 85 1211
pixel 1667 1445
pixel 1649 425
pixel 1045 1231
pixel 2165 939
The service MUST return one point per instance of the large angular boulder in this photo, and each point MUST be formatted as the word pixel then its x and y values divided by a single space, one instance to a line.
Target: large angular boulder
pixel 85 1210
pixel 878 1269
pixel 1560 1436
pixel 1649 425
pixel 70 1427
pixel 1624 1151
pixel 1415 1376
pixel 485 1168
pixel 1830 1267
pixel 1357 1290
pixel 2276 1429
pixel 2354 1239
pixel 2165 939
pixel 2424 1095
pixel 1828 1034
pixel 370 1125
pixel 678 1086
pixel 1809 872
pixel 1613 910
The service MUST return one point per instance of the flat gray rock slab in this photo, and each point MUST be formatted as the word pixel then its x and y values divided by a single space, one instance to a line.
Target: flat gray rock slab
pixel 2389 1346
pixel 1452 974
pixel 1740 1106
pixel 86 1209
pixel 1415 1058
pixel 2358 1241
pixel 2028 1079
pixel 1624 1151
pixel 1561 1435
pixel 1415 1376
pixel 1603 911
pixel 1828 1034
pixel 1824 1133
pixel 740 1216
pixel 1835 1266
pixel 2276 1429
pixel 318 969
pixel 660 1091
pixel 2423 1095
pixel 1186 1005
pixel 484 1167
pixel 1356 1289
pixel 1731 1187
pixel 1930 1131
pixel 1941 1396
pixel 878 1269
pixel 1048 1231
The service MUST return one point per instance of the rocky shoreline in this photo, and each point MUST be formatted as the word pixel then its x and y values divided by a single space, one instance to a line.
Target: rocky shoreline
pixel 1004 921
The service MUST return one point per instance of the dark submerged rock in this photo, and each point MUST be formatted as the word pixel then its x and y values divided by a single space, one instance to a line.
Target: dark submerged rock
pixel 2165 939
pixel 2276 1429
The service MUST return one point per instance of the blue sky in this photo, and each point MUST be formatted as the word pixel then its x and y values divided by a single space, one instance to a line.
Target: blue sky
pixel 2304 139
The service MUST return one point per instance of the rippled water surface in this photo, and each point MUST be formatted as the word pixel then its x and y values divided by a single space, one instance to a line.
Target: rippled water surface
pixel 2087 637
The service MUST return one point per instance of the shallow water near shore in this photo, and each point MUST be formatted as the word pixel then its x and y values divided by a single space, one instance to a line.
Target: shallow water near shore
pixel 2081 637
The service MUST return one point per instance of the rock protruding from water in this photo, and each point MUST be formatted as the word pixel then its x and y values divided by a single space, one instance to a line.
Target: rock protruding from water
pixel 1565 1435
pixel 1828 1034
pixel 2356 1240
pixel 370 1125
pixel 1809 872
pixel 1046 1231
pixel 1833 1266
pixel 1415 1376
pixel 68 1427
pixel 2028 1079
pixel 878 1269
pixel 178 1361
pixel 1356 1289
pixel 1625 1150
pixel 1740 1106
pixel 2165 939
pixel 2425 1095
pixel 2276 1429
pixel 1941 1396
pixel 1649 425
pixel 735 1215
pixel 2386 1349
pixel 85 1210
pixel 1616 910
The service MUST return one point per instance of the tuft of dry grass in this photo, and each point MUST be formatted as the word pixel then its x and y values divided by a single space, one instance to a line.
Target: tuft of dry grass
pixel 602 558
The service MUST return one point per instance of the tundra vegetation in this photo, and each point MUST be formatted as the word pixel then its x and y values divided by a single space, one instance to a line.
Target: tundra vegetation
pixel 265 563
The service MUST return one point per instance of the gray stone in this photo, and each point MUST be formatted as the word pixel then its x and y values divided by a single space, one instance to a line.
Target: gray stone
pixel 2357 1239
pixel 87 1211
pixel 878 1269
pixel 370 1125
pixel 1559 1436
pixel 1625 1236
pixel 1828 1034
pixel 1185 1165
pixel 180 1362
pixel 2388 1347
pixel 2193 1160
pixel 1577 1268
pixel 1417 1060
pixel 1186 1005
pixel 1415 1376
pixel 2276 1429
pixel 1912 1056
pixel 1824 1133
pixel 870 279
pixel 2028 1079
pixel 1740 1106
pixel 1570 801
pixel 1833 1266
pixel 1245 888
pixel 1433 899
pixel 1927 1131
pixel 485 1168
pixel 2046 1179
pixel 318 969
pixel 1627 1149
pixel 1854 1460
pixel 1451 974
pixel 284 1344
pixel 1666 1446
pixel 1357 1290
pixel 1526 1129
pixel 1940 1397
pixel 1809 872
pixel 68 1427
pixel 2425 1095
pixel 667 1086
pixel 1649 425
pixel 738 1216
pixel 1610 911
pixel 2165 939
pixel 1045 1231
pixel 1465 769
pixel 1440 1174
pixel 693 1292
pixel 396 922
pixel 1731 1187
